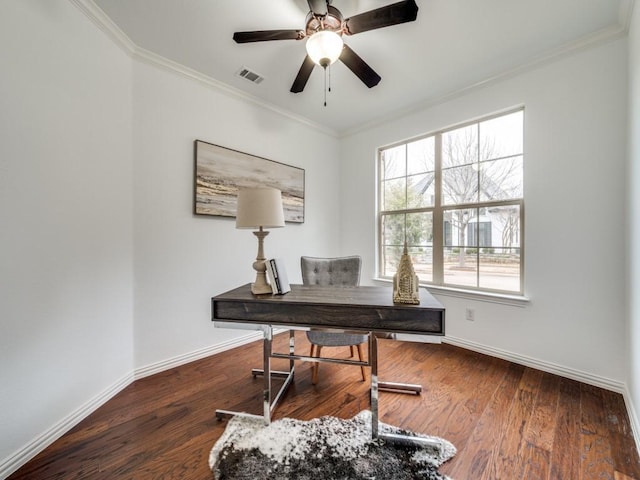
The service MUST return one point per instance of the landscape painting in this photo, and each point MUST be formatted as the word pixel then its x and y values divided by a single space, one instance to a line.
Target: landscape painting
pixel 220 172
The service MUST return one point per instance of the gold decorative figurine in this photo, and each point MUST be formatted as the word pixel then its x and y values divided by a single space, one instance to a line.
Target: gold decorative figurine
pixel 405 281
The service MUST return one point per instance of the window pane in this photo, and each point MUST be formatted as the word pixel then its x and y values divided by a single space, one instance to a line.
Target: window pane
pixel 461 266
pixel 415 228
pixel 461 254
pixel 456 226
pixel 394 163
pixel 479 234
pixel 422 259
pixel 391 258
pixel 501 179
pixel 421 190
pixel 393 230
pixel 394 194
pixel 500 259
pixel 419 228
pixel 459 185
pixel 421 156
pixel 460 147
pixel 505 226
pixel 502 136
pixel 500 269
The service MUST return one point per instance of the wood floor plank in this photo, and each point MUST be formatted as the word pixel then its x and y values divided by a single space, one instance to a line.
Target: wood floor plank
pixel 625 457
pixel 566 455
pixel 499 415
pixel 513 443
pixel 622 476
pixel 596 459
pixel 536 462
pixel 540 431
pixel 479 458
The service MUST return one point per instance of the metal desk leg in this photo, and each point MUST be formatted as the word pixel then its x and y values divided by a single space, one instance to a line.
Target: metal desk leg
pixel 266 363
pixel 276 373
pixel 292 349
pixel 373 359
pixel 269 401
pixel 375 384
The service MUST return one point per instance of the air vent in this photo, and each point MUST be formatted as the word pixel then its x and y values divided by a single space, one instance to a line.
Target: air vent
pixel 250 75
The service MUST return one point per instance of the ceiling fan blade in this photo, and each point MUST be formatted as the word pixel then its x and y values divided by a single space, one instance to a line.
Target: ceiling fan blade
pixel 266 35
pixel 303 75
pixel 318 7
pixel 401 12
pixel 358 66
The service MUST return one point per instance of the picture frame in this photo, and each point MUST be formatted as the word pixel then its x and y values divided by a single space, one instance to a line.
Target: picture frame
pixel 220 172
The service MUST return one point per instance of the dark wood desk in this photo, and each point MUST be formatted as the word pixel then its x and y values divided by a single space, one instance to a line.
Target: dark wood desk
pixel 368 309
pixel 352 308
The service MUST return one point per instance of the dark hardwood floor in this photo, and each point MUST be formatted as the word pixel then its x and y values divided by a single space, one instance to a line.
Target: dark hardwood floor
pixel 507 421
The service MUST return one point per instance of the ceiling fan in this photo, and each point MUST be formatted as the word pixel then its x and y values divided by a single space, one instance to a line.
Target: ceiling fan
pixel 324 29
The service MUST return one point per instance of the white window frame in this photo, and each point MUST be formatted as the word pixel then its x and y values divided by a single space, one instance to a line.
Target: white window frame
pixel 437 210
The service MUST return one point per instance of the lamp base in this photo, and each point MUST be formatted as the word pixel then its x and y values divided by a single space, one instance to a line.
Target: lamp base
pixel 258 289
pixel 260 286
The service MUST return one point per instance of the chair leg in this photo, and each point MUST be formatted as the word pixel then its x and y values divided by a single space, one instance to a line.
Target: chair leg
pixel 316 365
pixel 353 351
pixel 364 378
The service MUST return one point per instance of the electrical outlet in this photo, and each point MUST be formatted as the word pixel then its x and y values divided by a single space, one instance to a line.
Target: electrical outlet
pixel 471 314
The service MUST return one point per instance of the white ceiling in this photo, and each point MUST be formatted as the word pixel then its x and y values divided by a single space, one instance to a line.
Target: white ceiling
pixel 453 44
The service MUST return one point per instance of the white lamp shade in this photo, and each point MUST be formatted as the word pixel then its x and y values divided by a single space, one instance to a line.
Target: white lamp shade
pixel 259 207
pixel 324 47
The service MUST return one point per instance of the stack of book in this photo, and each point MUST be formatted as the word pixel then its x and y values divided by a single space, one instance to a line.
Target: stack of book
pixel 277 274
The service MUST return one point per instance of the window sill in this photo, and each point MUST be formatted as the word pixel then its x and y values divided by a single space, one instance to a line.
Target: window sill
pixel 503 299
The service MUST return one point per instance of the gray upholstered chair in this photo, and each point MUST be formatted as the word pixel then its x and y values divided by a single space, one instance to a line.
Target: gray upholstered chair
pixel 339 271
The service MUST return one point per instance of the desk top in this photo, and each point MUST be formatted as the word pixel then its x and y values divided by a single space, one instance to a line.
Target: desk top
pixel 354 308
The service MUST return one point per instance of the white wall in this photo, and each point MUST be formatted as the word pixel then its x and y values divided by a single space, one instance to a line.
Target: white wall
pixel 575 144
pixel 633 290
pixel 96 190
pixel 182 260
pixel 66 249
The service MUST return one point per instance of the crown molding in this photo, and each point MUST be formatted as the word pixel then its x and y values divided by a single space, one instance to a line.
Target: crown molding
pixel 587 42
pixel 121 39
pixel 104 23
pixel 625 13
pixel 159 61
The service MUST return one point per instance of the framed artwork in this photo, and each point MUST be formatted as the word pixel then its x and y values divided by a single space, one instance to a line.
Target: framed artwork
pixel 220 172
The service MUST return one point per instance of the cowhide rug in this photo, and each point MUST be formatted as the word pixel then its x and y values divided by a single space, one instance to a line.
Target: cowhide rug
pixel 323 448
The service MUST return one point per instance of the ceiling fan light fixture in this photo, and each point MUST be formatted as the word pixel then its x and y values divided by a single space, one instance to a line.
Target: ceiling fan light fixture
pixel 324 47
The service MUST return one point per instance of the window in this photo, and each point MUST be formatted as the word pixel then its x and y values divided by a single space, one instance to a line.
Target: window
pixel 456 198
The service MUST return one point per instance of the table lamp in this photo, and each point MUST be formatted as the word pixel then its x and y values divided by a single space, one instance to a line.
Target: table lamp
pixel 260 208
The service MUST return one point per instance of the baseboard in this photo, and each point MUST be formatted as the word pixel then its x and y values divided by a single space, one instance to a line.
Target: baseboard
pixel 633 417
pixel 584 377
pixel 42 441
pixel 178 360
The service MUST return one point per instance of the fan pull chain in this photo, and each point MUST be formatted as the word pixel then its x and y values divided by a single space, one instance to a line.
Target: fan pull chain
pixel 325 86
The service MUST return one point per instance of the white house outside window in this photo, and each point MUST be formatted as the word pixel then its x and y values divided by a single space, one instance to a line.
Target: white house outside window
pixel 456 198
